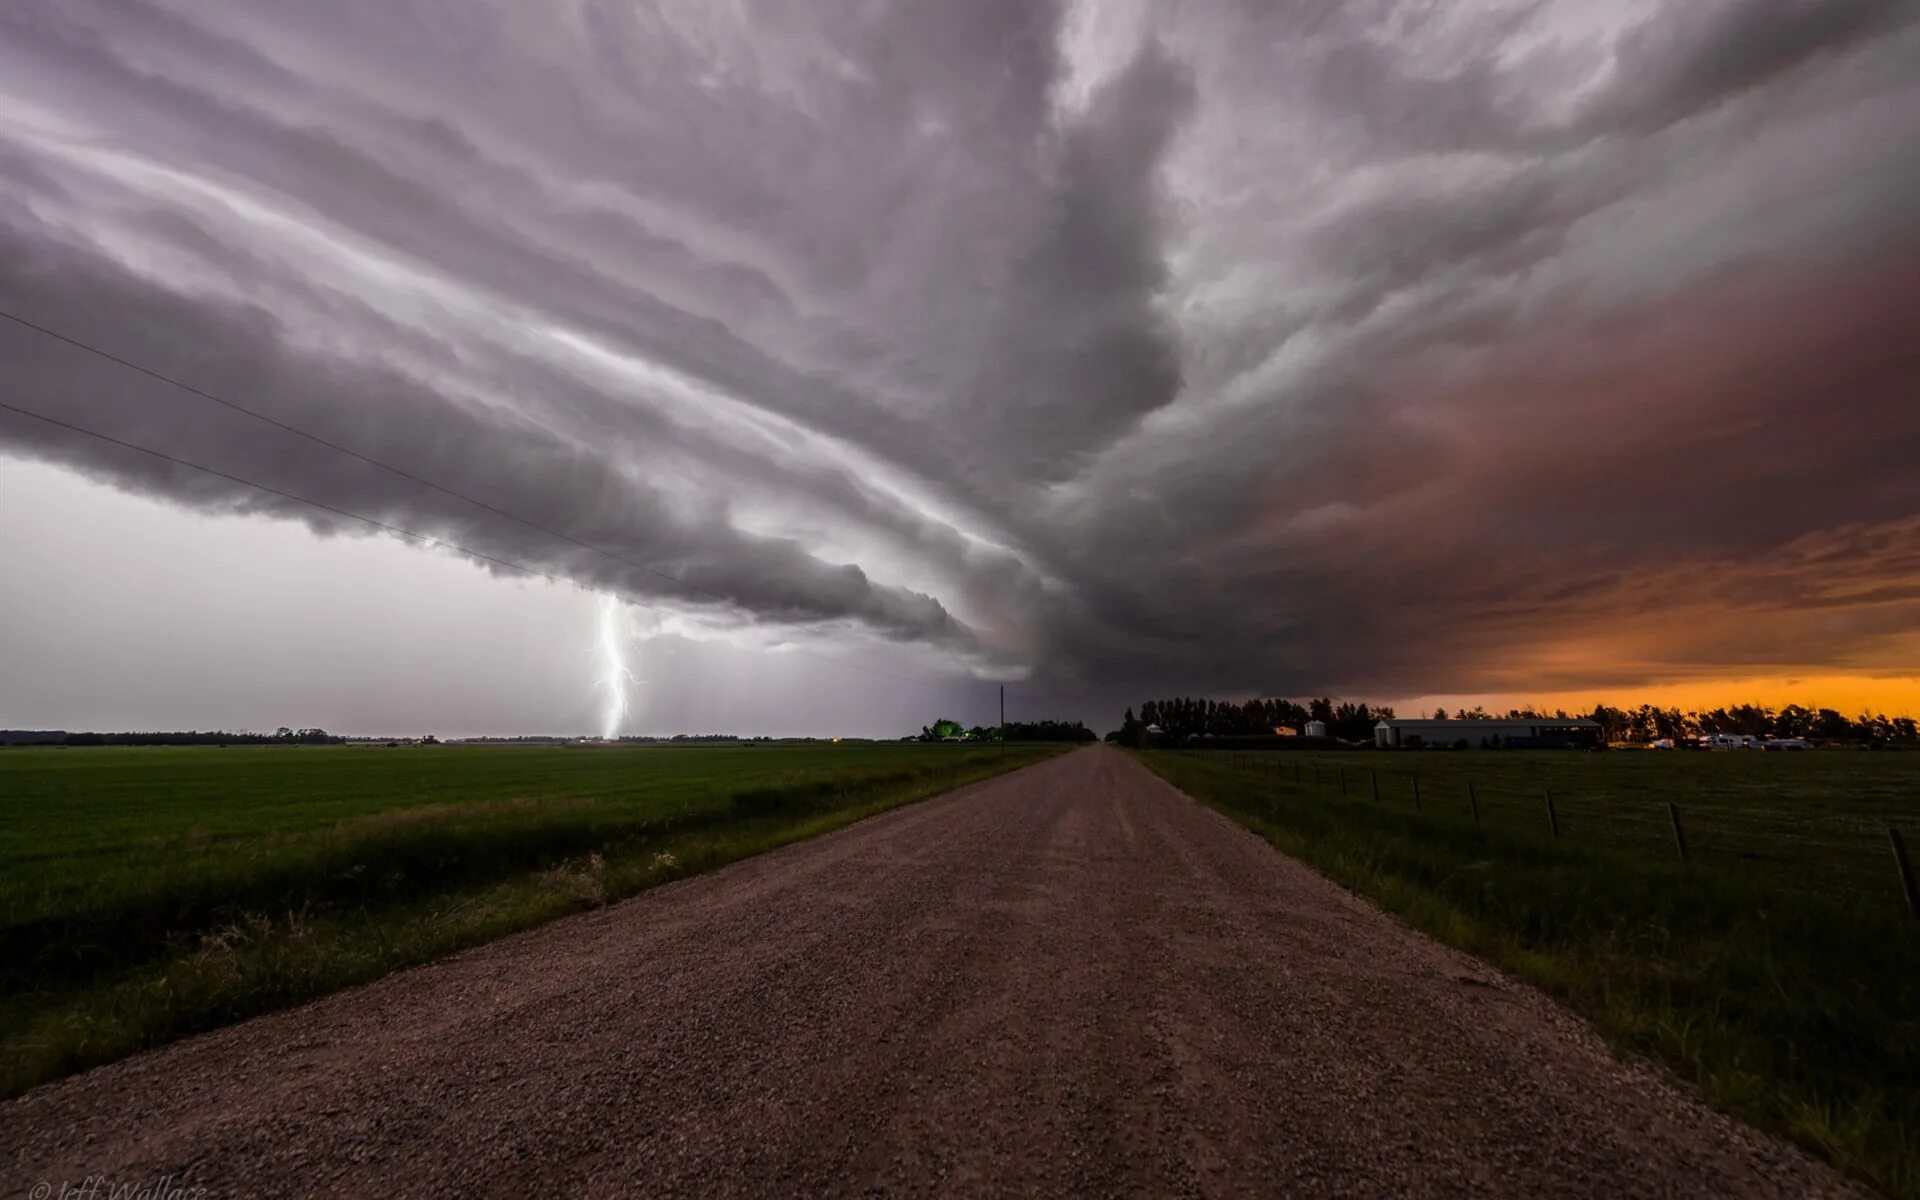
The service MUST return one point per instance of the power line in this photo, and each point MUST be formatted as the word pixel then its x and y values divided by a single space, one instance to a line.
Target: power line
pixel 315 438
pixel 378 524
pixel 274 491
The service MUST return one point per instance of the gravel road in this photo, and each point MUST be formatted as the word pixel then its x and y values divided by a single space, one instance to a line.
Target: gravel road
pixel 1071 979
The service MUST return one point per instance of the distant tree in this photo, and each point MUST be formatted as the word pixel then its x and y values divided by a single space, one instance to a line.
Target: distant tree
pixel 1792 721
pixel 1612 722
pixel 1639 724
pixel 1750 719
pixel 1831 725
pixel 1875 727
pixel 1049 731
pixel 1353 722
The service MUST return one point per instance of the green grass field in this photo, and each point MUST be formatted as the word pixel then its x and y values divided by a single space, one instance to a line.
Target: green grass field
pixel 1804 822
pixel 146 894
pixel 1779 971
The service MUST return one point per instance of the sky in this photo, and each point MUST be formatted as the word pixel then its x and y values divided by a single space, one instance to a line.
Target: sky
pixel 871 356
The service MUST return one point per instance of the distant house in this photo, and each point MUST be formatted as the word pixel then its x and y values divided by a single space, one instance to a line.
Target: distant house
pixel 1315 729
pixel 1530 733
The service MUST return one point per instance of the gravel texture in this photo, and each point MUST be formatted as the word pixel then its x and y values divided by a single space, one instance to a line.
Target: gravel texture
pixel 1071 979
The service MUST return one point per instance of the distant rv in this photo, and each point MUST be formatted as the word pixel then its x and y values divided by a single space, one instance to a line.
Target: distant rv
pixel 1732 741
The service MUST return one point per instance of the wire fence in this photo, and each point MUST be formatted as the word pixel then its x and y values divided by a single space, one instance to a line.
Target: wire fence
pixel 1833 829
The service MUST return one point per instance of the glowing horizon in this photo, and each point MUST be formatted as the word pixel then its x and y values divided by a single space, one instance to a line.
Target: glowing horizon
pixel 1849 695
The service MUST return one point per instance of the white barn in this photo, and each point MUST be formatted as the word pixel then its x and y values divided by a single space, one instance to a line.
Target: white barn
pixel 1534 733
pixel 1315 729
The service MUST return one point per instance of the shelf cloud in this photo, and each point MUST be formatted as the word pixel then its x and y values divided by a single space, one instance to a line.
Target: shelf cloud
pixel 1381 347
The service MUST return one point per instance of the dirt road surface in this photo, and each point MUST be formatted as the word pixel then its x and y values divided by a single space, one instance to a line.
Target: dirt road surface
pixel 1069 980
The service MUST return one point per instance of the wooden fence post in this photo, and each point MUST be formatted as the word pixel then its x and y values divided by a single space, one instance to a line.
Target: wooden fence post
pixel 1343 780
pixel 1905 868
pixel 1553 822
pixel 1473 802
pixel 1373 776
pixel 1679 834
pixel 1416 791
pixel 1296 770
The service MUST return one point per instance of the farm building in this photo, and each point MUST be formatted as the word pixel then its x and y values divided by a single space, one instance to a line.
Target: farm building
pixel 1530 733
pixel 1316 729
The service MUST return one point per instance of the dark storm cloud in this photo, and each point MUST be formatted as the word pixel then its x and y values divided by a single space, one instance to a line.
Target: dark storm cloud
pixel 548 480
pixel 1381 346
pixel 1692 57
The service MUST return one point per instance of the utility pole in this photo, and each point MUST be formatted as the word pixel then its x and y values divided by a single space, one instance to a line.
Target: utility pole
pixel 1003 720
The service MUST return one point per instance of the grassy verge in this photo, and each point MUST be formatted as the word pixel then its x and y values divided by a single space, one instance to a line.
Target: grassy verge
pixel 149 895
pixel 1796 1008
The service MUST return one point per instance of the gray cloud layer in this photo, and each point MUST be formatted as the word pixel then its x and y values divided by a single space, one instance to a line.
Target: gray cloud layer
pixel 1381 347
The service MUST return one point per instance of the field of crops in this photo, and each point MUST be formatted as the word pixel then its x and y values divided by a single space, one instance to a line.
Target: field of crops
pixel 1777 969
pixel 150 893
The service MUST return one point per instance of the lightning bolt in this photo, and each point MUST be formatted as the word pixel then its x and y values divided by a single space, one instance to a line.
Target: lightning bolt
pixel 614 675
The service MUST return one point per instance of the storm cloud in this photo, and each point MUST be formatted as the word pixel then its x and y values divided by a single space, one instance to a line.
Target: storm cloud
pixel 1385 347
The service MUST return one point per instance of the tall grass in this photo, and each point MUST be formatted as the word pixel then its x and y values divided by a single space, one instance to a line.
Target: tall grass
pixel 157 929
pixel 1796 1008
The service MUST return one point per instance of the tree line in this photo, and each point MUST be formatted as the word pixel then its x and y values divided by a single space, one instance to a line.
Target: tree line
pixel 1186 716
pixel 1183 717
pixel 1647 723
pixel 284 736
pixel 946 729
